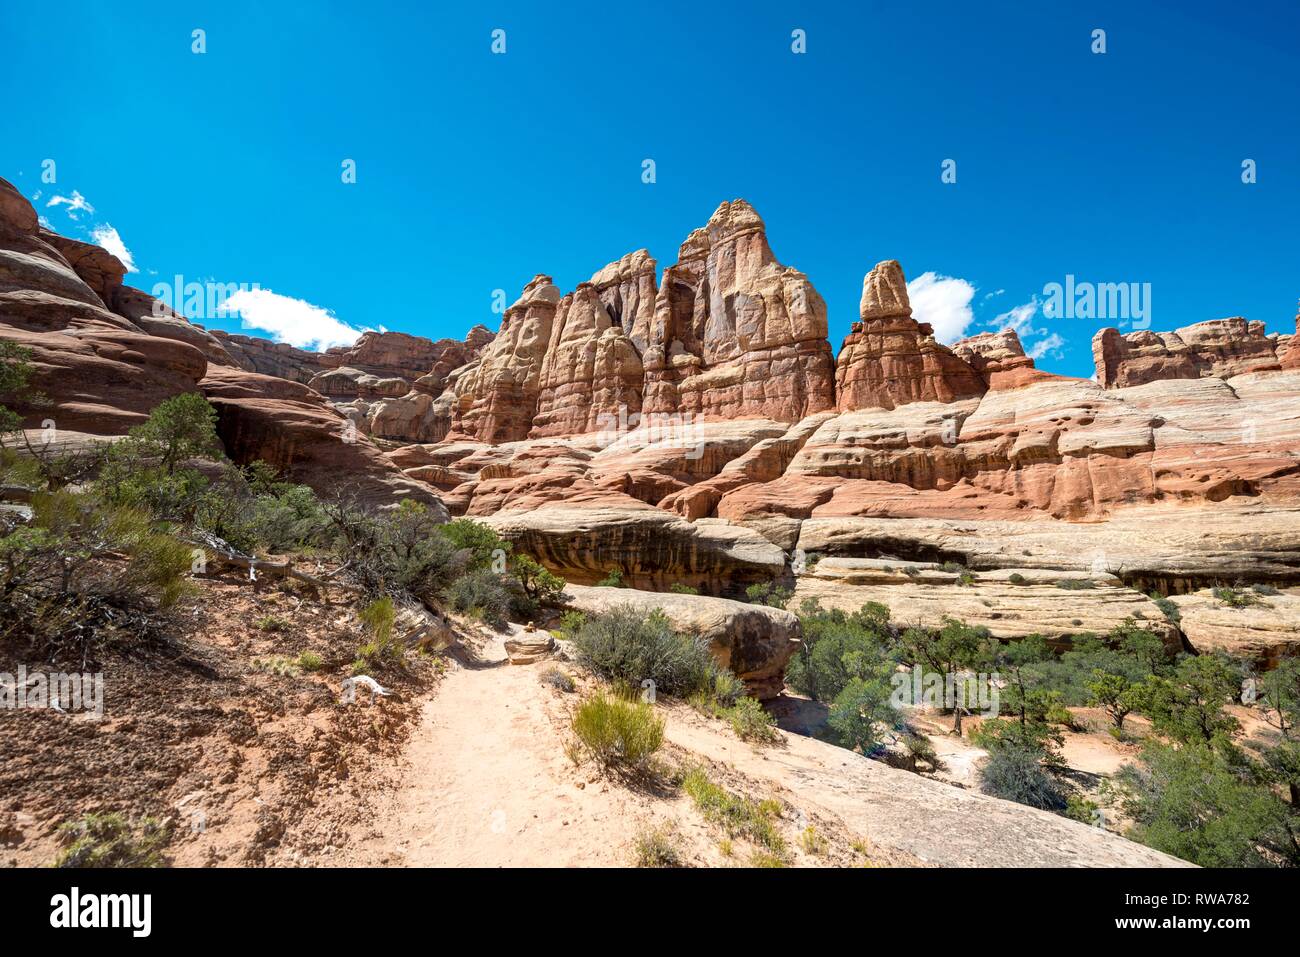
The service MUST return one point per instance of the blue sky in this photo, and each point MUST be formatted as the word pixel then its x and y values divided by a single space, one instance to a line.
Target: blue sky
pixel 475 171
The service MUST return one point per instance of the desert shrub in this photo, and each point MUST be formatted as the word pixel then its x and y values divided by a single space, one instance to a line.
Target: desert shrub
pixel 769 593
pixel 677 588
pixel 276 665
pixel 483 543
pixel 558 679
pixel 618 733
pixel 1263 589
pixel 79 571
pixel 1197 803
pixel 1188 705
pixel 310 661
pixel 765 859
pixel 1017 578
pixel 811 841
pixel 1079 808
pixel 1168 608
pixel 272 623
pixel 1014 772
pixel 385 647
pixel 110 840
pixel 952 568
pixel 613 579
pixel 751 722
pixel 1075 584
pixel 920 750
pixel 657 847
pixel 862 714
pixel 1235 597
pixel 569 624
pixel 623 643
pixel 484 594
pixel 737 815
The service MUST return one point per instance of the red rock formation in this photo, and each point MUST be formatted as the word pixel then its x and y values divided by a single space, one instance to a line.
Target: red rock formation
pixel 998 358
pixel 627 288
pixel 1288 351
pixel 290 426
pixel 97 371
pixel 591 373
pixel 736 334
pixel 889 359
pixel 1219 347
pixel 265 357
pixel 496 396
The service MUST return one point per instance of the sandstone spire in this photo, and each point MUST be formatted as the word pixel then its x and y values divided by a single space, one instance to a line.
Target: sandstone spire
pixel 889 359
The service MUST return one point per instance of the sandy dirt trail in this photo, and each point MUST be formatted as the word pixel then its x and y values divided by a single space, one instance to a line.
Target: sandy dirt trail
pixel 488 783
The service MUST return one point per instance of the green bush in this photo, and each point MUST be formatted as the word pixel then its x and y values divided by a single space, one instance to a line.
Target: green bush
pixel 618 733
pixel 623 643
pixel 484 594
pixel 677 588
pixel 484 545
pixel 1197 803
pixel 1236 598
pixel 385 646
pixel 614 579
pixel 769 593
pixel 838 647
pixel 1076 584
pixel 751 722
pixel 1014 772
pixel 109 840
pixel 737 815
pixel 862 713
pixel 539 585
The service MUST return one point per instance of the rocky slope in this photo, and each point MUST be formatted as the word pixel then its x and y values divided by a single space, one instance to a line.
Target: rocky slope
pixel 104 354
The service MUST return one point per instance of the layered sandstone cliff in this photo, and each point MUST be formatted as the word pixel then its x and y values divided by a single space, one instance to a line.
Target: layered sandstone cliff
pixel 103 355
pixel 1219 348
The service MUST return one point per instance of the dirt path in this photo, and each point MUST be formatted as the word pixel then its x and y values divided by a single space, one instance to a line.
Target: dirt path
pixel 489 783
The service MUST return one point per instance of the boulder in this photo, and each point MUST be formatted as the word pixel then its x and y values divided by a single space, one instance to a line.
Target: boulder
pixel 754 641
pixel 528 644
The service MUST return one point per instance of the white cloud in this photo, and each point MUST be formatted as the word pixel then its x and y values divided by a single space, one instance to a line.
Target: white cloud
pixel 943 302
pixel 76 204
pixel 1042 347
pixel 107 237
pixel 1021 321
pixel 290 320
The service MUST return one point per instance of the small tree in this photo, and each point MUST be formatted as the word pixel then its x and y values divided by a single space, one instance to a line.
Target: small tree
pixel 182 427
pixel 955 647
pixel 1189 705
pixel 862 713
pixel 1114 693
